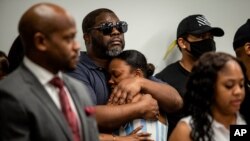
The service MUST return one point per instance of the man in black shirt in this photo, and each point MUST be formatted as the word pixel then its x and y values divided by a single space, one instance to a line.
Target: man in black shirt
pixel 241 45
pixel 194 37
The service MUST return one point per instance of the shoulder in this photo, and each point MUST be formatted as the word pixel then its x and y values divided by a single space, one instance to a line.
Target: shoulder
pixel 168 69
pixel 17 80
pixel 79 88
pixel 85 68
pixel 75 83
pixel 181 131
pixel 153 78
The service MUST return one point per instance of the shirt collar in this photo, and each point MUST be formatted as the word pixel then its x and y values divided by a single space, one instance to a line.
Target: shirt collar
pixel 84 58
pixel 43 75
pixel 239 120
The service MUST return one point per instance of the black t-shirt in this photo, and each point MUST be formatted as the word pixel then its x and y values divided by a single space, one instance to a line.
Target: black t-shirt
pixel 245 107
pixel 176 76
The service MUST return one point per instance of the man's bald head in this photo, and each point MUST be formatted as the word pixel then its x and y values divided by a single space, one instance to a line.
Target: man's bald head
pixel 44 18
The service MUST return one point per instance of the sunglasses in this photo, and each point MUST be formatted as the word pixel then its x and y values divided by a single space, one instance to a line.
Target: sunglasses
pixel 107 28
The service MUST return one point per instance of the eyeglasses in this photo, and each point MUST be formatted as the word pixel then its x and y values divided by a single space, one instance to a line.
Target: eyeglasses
pixel 107 28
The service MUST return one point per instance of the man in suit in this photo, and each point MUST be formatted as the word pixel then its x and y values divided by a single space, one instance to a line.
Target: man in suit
pixel 32 107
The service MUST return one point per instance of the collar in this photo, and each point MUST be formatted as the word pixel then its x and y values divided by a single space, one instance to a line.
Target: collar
pixel 84 59
pixel 239 120
pixel 43 75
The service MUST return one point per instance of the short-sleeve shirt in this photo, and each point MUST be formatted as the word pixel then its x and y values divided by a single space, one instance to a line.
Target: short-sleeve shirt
pixel 244 109
pixel 94 77
pixel 175 75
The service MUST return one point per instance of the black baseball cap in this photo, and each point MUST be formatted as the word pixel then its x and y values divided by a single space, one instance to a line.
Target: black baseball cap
pixel 242 35
pixel 197 24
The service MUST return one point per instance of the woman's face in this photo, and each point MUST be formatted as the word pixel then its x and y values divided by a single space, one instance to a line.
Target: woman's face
pixel 119 70
pixel 229 89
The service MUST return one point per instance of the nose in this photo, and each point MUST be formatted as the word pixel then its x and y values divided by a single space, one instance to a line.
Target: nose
pixel 115 31
pixel 239 90
pixel 76 46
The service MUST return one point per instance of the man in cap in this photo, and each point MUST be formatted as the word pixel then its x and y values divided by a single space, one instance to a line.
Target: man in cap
pixel 194 37
pixel 241 45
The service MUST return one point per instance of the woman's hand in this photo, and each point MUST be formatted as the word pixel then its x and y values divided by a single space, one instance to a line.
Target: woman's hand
pixel 135 136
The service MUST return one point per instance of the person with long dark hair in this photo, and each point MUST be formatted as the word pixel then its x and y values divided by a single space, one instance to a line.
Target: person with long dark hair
pixel 215 91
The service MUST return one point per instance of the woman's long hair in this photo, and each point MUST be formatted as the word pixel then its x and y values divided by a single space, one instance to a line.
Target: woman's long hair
pixel 200 92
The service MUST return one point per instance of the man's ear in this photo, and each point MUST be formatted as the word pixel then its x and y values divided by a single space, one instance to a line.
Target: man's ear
pixel 182 43
pixel 40 41
pixel 87 38
pixel 247 48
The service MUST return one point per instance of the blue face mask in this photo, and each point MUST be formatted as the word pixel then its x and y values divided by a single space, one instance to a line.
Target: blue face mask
pixel 201 47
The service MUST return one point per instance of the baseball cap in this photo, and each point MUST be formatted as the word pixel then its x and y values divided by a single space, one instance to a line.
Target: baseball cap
pixel 197 24
pixel 242 35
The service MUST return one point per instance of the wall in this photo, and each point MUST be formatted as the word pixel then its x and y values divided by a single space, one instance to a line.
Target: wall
pixel 152 23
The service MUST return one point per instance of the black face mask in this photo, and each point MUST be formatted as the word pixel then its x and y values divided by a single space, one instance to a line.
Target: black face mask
pixel 201 47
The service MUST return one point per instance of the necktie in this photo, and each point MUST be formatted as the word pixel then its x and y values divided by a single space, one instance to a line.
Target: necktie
pixel 66 108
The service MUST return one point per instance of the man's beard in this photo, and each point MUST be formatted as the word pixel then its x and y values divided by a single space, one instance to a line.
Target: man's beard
pixel 114 51
pixel 103 52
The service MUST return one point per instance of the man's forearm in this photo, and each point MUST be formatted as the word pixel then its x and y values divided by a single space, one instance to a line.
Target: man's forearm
pixel 110 117
pixel 168 97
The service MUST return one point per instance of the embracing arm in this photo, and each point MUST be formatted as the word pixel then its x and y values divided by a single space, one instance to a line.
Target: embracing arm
pixel 110 117
pixel 168 98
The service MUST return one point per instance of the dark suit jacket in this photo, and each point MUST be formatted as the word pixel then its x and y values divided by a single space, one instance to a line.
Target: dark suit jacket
pixel 27 113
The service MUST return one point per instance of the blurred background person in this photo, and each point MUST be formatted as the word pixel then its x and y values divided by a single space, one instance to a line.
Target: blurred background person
pixel 241 45
pixel 16 54
pixel 4 65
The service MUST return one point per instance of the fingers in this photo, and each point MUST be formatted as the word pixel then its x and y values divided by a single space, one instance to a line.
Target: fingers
pixel 115 96
pixel 122 98
pixel 118 96
pixel 151 109
pixel 129 98
pixel 144 136
pixel 136 130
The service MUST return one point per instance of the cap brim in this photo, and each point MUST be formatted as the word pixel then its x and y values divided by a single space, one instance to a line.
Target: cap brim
pixel 216 31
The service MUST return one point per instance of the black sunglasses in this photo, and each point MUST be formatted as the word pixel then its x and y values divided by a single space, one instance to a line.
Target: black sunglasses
pixel 107 28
